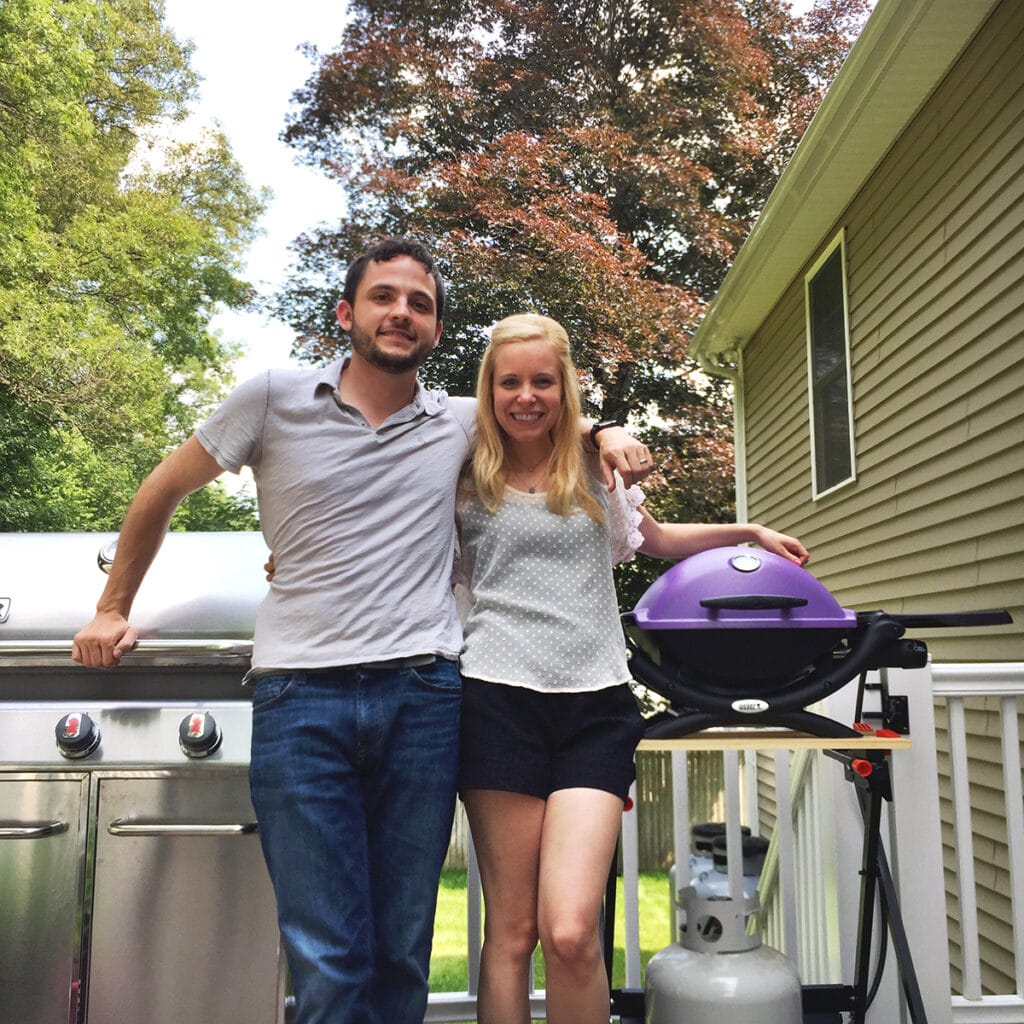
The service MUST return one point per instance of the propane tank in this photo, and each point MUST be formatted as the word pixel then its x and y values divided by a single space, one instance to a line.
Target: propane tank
pixel 702 839
pixel 715 882
pixel 701 860
pixel 719 972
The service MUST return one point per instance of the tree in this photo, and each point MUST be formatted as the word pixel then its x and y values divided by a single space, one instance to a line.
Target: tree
pixel 595 160
pixel 111 261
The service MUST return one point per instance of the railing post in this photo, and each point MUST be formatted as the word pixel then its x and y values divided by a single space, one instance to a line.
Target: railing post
pixel 914 849
pixel 916 844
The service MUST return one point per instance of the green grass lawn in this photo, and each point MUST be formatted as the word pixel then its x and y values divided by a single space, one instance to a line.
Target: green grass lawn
pixel 448 971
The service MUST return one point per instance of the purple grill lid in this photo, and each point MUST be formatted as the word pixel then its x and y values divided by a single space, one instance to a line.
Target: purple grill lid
pixel 739 588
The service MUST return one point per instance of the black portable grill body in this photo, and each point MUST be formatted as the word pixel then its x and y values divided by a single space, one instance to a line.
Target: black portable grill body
pixel 740 636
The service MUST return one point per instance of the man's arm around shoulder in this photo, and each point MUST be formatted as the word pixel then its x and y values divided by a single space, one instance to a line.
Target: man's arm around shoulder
pixel 101 643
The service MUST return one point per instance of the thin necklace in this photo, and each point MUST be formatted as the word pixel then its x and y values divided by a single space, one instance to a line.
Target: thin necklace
pixel 526 472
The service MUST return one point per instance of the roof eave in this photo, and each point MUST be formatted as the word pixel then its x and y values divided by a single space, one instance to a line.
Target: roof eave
pixel 905 50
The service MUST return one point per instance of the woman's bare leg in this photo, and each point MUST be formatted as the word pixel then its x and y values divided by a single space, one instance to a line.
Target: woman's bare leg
pixel 506 831
pixel 580 830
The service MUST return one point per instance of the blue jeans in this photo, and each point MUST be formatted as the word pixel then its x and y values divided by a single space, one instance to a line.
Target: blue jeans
pixel 353 777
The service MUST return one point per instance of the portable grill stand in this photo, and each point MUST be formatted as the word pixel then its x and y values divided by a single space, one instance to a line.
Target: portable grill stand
pixel 736 636
pixel 869 771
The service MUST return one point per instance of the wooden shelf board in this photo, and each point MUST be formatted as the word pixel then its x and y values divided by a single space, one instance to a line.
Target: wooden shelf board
pixel 773 739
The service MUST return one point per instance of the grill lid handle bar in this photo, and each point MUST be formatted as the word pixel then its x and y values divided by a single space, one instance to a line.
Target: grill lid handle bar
pixel 197 653
pixel 755 602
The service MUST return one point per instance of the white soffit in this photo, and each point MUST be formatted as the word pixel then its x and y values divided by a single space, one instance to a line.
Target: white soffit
pixel 905 50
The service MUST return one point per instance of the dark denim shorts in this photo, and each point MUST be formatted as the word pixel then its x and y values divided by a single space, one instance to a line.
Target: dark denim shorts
pixel 522 741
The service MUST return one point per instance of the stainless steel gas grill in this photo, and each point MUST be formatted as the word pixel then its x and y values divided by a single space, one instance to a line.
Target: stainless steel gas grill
pixel 132 886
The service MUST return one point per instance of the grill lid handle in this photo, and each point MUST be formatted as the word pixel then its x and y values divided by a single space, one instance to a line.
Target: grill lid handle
pixel 754 602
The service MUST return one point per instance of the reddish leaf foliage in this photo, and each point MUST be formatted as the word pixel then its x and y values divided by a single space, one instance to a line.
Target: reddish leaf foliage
pixel 596 160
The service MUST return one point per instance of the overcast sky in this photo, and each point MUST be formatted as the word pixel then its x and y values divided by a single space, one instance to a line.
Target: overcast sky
pixel 247 53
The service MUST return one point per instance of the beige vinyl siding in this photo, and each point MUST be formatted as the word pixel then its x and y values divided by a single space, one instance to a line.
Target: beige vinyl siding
pixel 767 794
pixel 935 519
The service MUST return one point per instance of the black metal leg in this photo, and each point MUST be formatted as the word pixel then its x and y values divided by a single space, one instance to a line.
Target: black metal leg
pixel 877 877
pixel 871 808
pixel 900 944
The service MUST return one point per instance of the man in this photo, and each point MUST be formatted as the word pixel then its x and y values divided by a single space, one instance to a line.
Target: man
pixel 356 685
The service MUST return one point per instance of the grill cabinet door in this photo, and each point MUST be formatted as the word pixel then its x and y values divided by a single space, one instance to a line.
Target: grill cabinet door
pixel 184 926
pixel 42 871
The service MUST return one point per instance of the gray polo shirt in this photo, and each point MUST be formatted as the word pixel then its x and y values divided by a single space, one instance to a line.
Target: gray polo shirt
pixel 361 521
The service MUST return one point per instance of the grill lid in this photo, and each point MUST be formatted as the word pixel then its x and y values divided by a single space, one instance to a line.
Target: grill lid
pixel 201 586
pixel 739 588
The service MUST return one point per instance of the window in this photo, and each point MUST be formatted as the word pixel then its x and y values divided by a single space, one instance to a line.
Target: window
pixel 828 366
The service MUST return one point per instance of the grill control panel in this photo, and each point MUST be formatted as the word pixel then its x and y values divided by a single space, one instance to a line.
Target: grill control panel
pixel 124 735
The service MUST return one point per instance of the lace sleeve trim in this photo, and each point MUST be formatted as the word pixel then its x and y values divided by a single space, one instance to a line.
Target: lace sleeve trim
pixel 624 521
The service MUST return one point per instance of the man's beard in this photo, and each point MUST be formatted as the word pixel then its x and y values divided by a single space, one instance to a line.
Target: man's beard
pixel 389 362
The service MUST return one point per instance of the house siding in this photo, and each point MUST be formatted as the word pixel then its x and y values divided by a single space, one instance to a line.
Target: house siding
pixel 935 252
pixel 934 520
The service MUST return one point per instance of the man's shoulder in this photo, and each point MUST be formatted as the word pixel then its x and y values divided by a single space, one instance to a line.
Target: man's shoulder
pixel 289 383
pixel 462 403
pixel 300 376
pixel 462 408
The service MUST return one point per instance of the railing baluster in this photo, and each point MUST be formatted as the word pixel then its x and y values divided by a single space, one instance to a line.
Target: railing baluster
pixel 630 890
pixel 963 831
pixel 787 857
pixel 1012 787
pixel 680 832
pixel 474 908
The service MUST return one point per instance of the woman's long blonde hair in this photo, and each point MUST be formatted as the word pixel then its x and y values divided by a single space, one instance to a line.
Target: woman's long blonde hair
pixel 567 477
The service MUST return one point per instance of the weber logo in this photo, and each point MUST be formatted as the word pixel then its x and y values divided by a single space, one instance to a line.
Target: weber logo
pixel 750 706
pixel 5 608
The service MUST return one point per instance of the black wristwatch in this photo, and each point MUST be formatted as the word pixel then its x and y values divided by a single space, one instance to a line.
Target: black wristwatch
pixel 600 425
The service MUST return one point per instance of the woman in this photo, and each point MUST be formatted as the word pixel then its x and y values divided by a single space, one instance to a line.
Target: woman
pixel 549 724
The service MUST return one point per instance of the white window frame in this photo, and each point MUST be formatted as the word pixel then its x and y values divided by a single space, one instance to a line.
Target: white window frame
pixel 819 490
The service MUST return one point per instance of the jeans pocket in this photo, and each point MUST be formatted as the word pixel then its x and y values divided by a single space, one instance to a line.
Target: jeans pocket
pixel 271 690
pixel 441 676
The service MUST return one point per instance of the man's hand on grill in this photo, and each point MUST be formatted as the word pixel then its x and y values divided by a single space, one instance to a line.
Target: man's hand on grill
pixel 103 641
pixel 780 544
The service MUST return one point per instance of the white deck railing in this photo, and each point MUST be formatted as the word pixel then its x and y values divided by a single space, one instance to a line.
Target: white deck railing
pixel 1002 686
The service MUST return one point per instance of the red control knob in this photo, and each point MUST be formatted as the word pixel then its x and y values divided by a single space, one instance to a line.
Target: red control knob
pixel 77 735
pixel 199 735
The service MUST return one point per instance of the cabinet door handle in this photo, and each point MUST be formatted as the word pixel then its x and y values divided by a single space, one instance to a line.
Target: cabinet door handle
pixel 124 827
pixel 40 831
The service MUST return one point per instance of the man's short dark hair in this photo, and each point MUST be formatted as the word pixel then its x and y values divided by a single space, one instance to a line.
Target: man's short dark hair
pixel 389 249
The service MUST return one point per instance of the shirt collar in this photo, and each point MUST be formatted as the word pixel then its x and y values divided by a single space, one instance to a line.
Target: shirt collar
pixel 429 402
